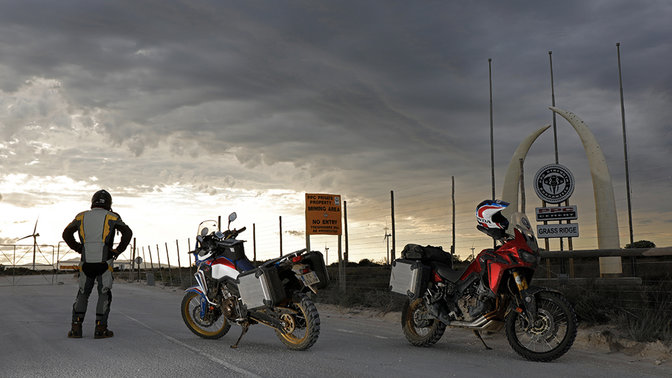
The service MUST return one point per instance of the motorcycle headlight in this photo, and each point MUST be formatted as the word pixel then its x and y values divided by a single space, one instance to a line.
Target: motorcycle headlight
pixel 530 258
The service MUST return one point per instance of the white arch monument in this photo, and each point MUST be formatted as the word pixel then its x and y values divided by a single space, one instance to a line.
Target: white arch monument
pixel 605 204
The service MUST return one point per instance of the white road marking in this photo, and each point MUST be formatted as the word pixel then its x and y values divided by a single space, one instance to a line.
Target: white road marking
pixel 196 350
pixel 361 333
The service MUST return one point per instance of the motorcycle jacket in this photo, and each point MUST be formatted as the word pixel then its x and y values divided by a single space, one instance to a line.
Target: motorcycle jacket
pixel 96 228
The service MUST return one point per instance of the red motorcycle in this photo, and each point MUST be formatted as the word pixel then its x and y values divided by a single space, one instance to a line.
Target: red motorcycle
pixel 492 293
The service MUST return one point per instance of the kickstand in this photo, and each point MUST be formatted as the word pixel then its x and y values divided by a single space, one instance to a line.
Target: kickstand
pixel 478 334
pixel 245 325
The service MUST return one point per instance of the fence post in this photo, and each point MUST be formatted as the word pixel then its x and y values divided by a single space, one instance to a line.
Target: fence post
pixel 345 224
pixel 170 273
pixel 191 272
pixel 341 268
pixel 179 265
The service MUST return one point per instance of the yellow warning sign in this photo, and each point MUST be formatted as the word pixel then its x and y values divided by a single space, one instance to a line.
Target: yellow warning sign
pixel 323 214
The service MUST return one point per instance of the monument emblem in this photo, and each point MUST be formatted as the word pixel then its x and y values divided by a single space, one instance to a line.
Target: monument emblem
pixel 554 183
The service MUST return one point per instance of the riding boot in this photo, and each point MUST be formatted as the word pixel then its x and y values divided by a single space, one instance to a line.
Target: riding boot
pixel 76 329
pixel 101 331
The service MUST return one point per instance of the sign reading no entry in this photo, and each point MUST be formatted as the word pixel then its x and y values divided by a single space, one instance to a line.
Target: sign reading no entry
pixel 323 214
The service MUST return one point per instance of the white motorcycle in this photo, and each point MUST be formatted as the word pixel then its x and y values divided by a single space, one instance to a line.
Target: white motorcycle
pixel 230 289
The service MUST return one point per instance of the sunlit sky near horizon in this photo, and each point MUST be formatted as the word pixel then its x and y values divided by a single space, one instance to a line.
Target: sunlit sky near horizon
pixel 190 110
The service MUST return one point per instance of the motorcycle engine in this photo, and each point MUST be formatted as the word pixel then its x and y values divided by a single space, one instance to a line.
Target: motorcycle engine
pixel 474 301
pixel 229 308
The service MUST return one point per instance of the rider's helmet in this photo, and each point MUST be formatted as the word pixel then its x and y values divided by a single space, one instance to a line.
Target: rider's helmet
pixel 490 218
pixel 102 199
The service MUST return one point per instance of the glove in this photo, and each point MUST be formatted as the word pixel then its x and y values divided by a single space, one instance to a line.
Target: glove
pixel 115 254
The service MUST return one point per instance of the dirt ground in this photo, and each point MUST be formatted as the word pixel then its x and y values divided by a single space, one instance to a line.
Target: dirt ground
pixel 603 339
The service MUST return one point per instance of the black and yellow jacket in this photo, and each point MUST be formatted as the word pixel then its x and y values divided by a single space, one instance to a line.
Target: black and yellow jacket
pixel 96 228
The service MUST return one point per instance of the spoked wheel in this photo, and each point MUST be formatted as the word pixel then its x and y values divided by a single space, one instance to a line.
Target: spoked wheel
pixel 301 326
pixel 550 335
pixel 212 325
pixel 419 328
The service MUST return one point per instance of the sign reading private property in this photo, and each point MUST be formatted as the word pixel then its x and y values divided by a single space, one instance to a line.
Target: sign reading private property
pixel 556 213
pixel 323 214
pixel 570 230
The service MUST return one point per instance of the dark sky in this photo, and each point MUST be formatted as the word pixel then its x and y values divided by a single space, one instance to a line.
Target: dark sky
pixel 350 97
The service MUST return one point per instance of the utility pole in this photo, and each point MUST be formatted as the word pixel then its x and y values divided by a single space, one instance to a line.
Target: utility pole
pixel 492 133
pixel 394 241
pixel 625 154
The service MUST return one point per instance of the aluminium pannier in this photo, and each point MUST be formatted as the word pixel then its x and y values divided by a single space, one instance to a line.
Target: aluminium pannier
pixel 409 277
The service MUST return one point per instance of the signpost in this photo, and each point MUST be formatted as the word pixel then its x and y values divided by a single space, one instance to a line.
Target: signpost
pixel 323 217
pixel 554 184
pixel 323 214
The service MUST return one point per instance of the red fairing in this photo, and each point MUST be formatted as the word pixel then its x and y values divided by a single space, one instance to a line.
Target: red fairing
pixel 497 262
pixel 222 261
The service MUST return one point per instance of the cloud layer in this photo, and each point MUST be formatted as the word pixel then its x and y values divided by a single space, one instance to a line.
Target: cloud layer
pixel 350 97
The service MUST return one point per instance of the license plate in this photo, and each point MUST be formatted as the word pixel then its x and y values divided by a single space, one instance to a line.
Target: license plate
pixel 309 278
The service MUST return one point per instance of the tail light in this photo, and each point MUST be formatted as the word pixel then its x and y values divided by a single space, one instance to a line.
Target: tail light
pixel 296 259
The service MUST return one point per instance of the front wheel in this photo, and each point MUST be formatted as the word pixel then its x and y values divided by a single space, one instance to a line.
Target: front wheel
pixel 301 325
pixel 419 328
pixel 550 335
pixel 210 324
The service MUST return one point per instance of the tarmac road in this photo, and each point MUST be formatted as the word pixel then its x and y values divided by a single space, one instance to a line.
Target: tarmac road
pixel 152 341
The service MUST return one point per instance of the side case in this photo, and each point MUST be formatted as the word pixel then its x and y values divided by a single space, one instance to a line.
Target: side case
pixel 409 277
pixel 261 287
pixel 315 260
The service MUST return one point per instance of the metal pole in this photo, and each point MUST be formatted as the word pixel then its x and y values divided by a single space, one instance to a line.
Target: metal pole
pixel 280 219
pixel 625 154
pixel 130 274
pixel 492 134
pixel 254 242
pixel 138 254
pixel 555 132
pixel 452 247
pixel 341 265
pixel 394 236
pixel 345 221
pixel 522 187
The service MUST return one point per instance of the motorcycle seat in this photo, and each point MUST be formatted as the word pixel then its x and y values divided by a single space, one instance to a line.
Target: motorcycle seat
pixel 244 265
pixel 445 271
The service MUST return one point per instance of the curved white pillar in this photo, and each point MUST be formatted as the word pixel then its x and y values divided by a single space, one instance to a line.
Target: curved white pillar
pixel 512 178
pixel 605 204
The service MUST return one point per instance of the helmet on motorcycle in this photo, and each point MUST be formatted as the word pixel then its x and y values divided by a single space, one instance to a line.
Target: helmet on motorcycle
pixel 490 218
pixel 102 199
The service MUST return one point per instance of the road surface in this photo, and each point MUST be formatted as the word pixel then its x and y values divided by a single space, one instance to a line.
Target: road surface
pixel 152 341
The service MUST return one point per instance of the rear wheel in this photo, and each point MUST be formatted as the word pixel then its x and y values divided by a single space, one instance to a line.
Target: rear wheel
pixel 211 325
pixel 419 328
pixel 301 325
pixel 550 335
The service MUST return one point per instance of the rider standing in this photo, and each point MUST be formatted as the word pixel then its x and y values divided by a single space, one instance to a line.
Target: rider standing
pixel 96 229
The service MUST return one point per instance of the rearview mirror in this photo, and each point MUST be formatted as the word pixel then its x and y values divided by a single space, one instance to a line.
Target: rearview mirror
pixel 232 217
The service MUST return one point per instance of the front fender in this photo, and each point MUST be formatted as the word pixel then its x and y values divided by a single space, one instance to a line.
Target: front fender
pixel 195 289
pixel 529 297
